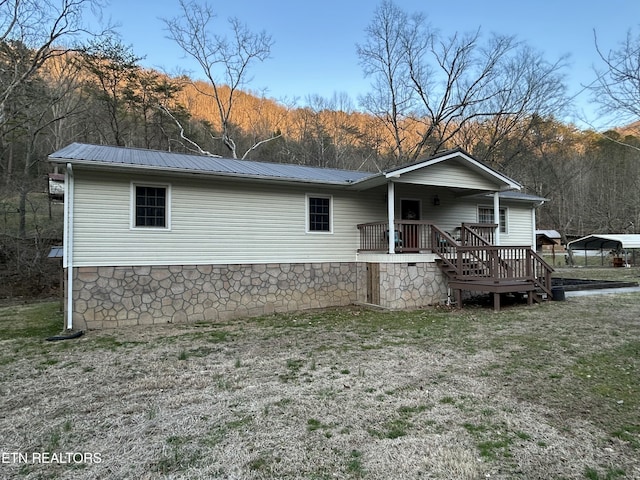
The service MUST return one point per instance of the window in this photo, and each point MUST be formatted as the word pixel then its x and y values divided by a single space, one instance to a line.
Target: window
pixel 319 213
pixel 151 206
pixel 485 215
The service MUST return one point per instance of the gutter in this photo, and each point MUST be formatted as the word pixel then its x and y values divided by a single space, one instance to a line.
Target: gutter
pixel 68 242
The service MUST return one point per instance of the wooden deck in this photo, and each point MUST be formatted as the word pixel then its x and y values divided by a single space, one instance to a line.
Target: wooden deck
pixel 475 265
pixel 496 288
pixel 470 261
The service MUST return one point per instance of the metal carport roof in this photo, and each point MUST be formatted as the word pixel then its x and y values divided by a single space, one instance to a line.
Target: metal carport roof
pixel 606 242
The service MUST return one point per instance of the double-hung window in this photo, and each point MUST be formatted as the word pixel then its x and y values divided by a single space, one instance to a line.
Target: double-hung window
pixel 150 206
pixel 319 214
pixel 485 215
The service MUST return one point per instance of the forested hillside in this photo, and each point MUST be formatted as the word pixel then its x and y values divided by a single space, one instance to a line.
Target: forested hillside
pixel 504 110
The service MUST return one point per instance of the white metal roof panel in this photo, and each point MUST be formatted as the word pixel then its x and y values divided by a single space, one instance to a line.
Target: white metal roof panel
pixel 549 233
pixel 606 242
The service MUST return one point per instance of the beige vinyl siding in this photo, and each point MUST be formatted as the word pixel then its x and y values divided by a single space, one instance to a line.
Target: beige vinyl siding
pixel 519 224
pixel 449 174
pixel 214 222
pixel 519 220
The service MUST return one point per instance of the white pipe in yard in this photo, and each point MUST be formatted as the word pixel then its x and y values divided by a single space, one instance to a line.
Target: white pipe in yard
pixel 68 242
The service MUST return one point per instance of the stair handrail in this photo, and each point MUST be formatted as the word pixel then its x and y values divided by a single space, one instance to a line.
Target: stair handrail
pixel 442 244
pixel 469 236
pixel 544 281
pixel 451 252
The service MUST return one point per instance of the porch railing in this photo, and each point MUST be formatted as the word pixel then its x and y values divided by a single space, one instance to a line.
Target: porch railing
pixel 416 235
pixel 476 234
pixel 494 262
pixel 408 236
pixel 479 261
pixel 473 258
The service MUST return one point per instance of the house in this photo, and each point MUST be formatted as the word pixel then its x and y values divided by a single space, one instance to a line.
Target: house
pixel 156 237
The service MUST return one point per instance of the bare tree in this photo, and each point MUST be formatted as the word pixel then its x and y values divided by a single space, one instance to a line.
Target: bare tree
pixel 225 61
pixel 64 81
pixel 617 87
pixel 31 32
pixel 428 88
pixel 383 59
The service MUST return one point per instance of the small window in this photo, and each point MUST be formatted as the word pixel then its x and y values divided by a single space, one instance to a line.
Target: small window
pixel 151 206
pixel 485 215
pixel 319 214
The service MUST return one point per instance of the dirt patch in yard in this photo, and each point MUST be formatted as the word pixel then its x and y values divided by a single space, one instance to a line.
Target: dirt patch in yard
pixel 573 284
pixel 549 391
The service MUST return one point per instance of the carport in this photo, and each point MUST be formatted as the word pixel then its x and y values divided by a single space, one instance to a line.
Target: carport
pixel 619 245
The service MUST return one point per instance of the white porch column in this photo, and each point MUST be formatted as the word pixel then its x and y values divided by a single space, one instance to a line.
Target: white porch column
pixel 496 215
pixel 391 211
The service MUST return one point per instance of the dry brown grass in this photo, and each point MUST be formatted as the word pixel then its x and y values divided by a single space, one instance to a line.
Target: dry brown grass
pixel 549 391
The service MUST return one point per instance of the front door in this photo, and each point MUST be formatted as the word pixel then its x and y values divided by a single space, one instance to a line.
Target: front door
pixel 410 210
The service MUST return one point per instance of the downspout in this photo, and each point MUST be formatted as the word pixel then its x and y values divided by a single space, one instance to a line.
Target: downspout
pixel 534 241
pixel 391 228
pixel 496 216
pixel 533 228
pixel 68 242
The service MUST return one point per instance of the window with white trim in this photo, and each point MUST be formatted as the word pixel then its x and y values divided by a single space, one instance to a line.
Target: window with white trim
pixel 319 213
pixel 150 206
pixel 485 215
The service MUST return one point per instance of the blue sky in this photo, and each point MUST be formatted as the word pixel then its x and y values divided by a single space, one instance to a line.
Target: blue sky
pixel 315 41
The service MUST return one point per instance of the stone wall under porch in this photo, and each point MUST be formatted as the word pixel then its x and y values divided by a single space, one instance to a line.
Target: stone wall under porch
pixel 405 285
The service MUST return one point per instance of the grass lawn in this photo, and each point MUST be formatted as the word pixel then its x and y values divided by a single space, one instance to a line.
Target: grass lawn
pixel 550 391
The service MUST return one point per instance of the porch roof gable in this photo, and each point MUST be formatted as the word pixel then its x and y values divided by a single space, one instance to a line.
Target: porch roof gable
pixel 461 157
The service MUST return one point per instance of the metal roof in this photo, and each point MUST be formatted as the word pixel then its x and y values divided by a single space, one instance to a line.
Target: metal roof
pixel 516 195
pixel 549 233
pixel 56 252
pixel 156 160
pixel 512 195
pixel 79 153
pixel 606 242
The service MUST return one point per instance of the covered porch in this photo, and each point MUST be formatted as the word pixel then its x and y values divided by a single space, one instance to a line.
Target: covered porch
pixel 447 212
pixel 470 261
pixel 451 212
pixel 446 191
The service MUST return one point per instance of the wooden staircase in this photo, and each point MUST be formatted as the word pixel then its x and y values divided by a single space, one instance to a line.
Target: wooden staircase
pixel 475 264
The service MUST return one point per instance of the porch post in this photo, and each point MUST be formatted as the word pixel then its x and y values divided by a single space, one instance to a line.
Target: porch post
pixel 496 216
pixel 391 209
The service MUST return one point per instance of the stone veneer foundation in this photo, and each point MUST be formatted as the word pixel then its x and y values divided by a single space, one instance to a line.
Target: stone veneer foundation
pixel 411 285
pixel 110 297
